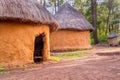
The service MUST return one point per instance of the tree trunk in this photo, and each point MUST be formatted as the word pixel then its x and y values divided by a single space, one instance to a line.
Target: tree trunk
pixel 41 1
pixel 55 6
pixel 110 3
pixel 44 4
pixel 58 3
pixel 94 20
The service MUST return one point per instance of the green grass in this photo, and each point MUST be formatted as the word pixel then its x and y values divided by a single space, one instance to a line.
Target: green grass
pixel 69 55
pixel 56 58
pixel 1 69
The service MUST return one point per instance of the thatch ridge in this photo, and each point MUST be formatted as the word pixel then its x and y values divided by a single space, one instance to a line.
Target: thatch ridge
pixel 26 11
pixel 70 18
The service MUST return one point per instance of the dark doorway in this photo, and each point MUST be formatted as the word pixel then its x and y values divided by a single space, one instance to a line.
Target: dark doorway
pixel 38 49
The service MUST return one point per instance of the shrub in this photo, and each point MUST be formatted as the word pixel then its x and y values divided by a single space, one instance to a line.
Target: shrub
pixel 92 41
pixel 1 69
pixel 101 39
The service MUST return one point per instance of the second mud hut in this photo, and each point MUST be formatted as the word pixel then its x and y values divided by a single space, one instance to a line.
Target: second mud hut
pixel 73 31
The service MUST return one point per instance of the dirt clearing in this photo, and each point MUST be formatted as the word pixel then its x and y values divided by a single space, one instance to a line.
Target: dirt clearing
pixel 90 68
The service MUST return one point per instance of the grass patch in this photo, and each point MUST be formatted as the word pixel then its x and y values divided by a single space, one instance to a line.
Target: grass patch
pixel 69 55
pixel 1 69
pixel 56 58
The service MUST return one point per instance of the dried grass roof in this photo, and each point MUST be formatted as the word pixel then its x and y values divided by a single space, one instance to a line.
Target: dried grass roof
pixel 112 35
pixel 70 18
pixel 29 11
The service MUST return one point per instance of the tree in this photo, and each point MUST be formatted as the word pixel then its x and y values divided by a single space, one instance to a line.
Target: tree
pixel 110 5
pixel 56 4
pixel 94 20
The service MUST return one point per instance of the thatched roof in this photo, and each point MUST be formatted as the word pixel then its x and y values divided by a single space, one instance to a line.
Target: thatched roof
pixel 70 18
pixel 112 35
pixel 29 11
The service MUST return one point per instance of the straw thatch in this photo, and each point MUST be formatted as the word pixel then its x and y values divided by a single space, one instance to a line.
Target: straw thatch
pixel 112 35
pixel 26 11
pixel 70 18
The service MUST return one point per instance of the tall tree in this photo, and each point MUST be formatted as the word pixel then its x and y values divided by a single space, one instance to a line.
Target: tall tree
pixel 44 4
pixel 110 5
pixel 56 4
pixel 94 20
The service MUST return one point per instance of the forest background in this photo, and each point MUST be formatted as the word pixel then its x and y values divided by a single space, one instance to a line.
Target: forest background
pixel 103 14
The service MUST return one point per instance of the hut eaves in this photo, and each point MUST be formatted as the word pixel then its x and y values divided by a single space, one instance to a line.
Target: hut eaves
pixel 29 11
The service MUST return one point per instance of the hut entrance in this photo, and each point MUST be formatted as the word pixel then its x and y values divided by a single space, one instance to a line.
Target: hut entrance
pixel 38 49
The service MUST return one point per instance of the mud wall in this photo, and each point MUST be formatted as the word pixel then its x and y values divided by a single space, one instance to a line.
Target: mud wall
pixel 64 40
pixel 17 42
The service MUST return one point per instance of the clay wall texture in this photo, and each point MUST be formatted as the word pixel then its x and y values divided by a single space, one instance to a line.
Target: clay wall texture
pixel 17 42
pixel 65 40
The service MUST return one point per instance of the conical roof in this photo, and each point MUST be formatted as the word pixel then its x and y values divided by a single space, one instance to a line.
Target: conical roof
pixel 70 18
pixel 26 11
pixel 112 35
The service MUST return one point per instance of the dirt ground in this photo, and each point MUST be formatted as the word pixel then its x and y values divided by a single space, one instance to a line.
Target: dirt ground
pixel 95 67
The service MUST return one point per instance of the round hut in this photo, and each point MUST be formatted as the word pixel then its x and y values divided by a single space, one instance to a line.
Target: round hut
pixel 73 30
pixel 113 39
pixel 24 32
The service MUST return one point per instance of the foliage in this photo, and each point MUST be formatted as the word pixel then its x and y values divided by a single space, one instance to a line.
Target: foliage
pixel 84 7
pixel 1 69
pixel 101 38
pixel 92 41
pixel 69 55
pixel 54 4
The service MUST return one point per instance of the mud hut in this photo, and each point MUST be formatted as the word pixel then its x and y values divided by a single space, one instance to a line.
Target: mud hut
pixel 73 30
pixel 24 32
pixel 113 39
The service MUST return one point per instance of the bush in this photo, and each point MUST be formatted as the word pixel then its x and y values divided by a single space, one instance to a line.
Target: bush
pixel 101 39
pixel 1 69
pixel 92 41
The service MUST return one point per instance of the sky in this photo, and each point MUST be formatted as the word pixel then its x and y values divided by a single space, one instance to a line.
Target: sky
pixel 71 2
pixel 51 9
